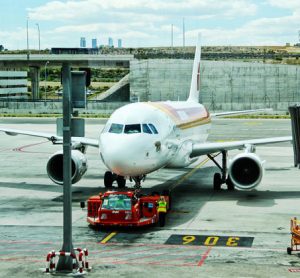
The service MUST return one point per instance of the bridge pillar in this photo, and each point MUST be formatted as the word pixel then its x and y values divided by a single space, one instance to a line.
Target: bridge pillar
pixel 35 82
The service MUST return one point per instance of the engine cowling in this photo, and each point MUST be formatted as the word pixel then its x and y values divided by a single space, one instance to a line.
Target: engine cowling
pixel 55 166
pixel 246 170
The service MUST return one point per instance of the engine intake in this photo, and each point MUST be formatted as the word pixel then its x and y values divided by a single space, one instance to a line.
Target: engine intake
pixel 246 170
pixel 55 166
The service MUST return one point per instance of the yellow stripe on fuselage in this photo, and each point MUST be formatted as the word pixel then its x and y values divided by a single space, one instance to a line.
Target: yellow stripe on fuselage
pixel 198 122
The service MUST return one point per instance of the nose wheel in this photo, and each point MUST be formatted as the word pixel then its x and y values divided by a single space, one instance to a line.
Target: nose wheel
pixel 109 178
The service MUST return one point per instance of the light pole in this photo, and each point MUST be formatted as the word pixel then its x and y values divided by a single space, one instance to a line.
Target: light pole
pixel 27 38
pixel 172 35
pixel 46 80
pixel 38 27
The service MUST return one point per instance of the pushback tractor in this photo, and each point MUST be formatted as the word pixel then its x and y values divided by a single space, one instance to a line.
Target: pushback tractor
pixel 128 208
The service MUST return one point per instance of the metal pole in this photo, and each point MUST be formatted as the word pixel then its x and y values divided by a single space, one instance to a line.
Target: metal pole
pixel 27 38
pixel 172 35
pixel 38 26
pixel 65 262
pixel 46 80
pixel 183 33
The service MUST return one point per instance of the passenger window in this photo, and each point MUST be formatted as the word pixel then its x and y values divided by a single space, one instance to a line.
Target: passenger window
pixel 116 128
pixel 130 129
pixel 154 130
pixel 146 129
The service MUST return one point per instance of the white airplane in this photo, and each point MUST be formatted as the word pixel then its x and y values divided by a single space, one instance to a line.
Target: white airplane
pixel 142 137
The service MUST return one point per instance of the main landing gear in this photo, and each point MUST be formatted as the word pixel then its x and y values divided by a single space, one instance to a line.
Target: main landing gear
pixel 221 178
pixel 109 178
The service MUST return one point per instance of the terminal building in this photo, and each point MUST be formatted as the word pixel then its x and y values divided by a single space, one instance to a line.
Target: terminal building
pixel 13 84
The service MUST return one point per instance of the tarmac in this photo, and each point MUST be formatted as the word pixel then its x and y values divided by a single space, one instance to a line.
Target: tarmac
pixel 207 233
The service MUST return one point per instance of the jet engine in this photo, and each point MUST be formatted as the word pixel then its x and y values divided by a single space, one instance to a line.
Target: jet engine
pixel 55 166
pixel 246 170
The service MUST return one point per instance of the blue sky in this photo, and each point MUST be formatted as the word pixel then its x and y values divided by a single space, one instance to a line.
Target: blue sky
pixel 148 22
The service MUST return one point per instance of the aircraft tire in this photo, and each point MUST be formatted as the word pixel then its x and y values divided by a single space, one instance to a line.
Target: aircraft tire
pixel 217 181
pixel 230 185
pixel 121 181
pixel 108 179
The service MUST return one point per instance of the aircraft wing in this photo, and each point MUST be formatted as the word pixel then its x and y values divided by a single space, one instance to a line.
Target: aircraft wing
pixel 50 136
pixel 207 147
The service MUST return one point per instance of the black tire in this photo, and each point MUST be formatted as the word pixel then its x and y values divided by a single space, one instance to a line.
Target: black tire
pixel 108 179
pixel 289 250
pixel 230 185
pixel 217 181
pixel 161 219
pixel 121 181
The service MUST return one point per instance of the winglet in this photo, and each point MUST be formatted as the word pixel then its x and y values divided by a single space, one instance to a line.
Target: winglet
pixel 195 83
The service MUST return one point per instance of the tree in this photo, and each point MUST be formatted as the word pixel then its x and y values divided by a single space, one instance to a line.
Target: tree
pixel 1 47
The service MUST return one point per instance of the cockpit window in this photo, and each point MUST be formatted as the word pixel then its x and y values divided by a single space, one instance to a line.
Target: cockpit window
pixel 116 128
pixel 129 129
pixel 154 130
pixel 146 129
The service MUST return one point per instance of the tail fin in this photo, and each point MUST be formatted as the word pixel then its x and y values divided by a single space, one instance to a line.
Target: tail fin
pixel 195 83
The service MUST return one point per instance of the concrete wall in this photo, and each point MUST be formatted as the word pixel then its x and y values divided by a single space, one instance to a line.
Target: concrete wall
pixel 56 107
pixel 224 85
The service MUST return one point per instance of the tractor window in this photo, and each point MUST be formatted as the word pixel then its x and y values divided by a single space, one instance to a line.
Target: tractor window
pixel 116 128
pixel 154 130
pixel 146 129
pixel 129 129
pixel 117 202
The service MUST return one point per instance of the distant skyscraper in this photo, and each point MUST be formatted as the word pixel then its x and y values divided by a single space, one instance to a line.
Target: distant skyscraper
pixel 94 43
pixel 110 42
pixel 119 43
pixel 82 42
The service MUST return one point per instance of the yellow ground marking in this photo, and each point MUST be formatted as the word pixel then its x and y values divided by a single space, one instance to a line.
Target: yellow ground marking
pixel 106 239
pixel 252 123
pixel 190 173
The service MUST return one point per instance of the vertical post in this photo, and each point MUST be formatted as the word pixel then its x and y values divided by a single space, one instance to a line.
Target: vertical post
pixel 39 34
pixel 183 33
pixel 172 36
pixel 65 262
pixel 46 80
pixel 35 82
pixel 27 35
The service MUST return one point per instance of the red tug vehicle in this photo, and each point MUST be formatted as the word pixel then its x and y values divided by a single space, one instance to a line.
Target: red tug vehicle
pixel 128 208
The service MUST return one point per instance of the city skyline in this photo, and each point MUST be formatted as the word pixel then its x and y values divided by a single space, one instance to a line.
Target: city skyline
pixel 141 23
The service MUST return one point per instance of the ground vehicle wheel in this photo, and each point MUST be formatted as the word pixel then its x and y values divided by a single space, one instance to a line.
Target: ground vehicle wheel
pixel 217 181
pixel 108 179
pixel 289 250
pixel 162 219
pixel 121 181
pixel 230 185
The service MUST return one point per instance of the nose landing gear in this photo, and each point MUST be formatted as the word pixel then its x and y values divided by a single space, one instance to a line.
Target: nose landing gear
pixel 110 177
pixel 138 180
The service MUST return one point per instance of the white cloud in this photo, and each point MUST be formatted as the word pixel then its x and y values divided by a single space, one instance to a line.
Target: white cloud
pixel 148 22
pixel 285 4
pixel 263 31
pixel 58 10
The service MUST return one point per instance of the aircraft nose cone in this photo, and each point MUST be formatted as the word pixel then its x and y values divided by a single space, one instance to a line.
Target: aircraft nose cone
pixel 122 157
